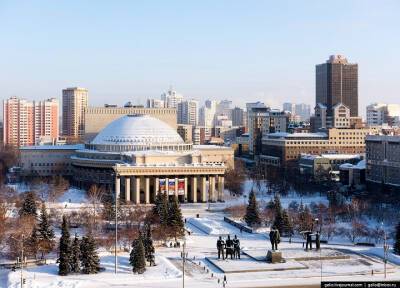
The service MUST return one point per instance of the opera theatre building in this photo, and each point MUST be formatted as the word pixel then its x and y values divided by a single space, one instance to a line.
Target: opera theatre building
pixel 138 156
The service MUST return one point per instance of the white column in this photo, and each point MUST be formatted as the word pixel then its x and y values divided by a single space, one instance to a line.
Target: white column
pixel 203 189
pixel 137 190
pixel 211 191
pixel 127 189
pixel 221 185
pixel 193 192
pixel 156 187
pixel 147 190
pixel 185 197
pixel 176 187
pixel 117 187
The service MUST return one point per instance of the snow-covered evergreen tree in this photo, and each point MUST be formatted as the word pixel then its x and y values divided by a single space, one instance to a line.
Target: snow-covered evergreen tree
pixel 148 246
pixel 278 220
pixel 252 216
pixel 137 256
pixel 75 255
pixel 64 266
pixel 29 207
pixel 90 261
pixel 45 232
pixel 175 219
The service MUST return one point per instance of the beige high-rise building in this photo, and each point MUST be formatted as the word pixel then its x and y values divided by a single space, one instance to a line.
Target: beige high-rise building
pixel 25 122
pixel 74 103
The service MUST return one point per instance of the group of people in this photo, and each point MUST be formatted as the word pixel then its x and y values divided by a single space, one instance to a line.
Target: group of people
pixel 228 247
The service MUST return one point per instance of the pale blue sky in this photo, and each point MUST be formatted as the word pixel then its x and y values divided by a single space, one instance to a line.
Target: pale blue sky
pixel 241 50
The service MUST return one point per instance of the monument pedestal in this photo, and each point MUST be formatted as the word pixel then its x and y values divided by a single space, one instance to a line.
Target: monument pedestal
pixel 274 256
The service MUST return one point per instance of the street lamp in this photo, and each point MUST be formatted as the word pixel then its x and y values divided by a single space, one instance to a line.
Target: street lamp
pixel 385 249
pixel 21 260
pixel 320 250
pixel 183 262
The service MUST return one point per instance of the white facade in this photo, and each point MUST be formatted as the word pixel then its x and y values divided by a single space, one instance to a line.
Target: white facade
pixel 188 112
pixel 155 103
pixel 171 98
pixel 207 114
pixel 380 113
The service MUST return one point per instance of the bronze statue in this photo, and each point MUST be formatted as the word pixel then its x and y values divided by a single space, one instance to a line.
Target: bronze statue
pixel 275 238
pixel 229 247
pixel 221 248
pixel 236 247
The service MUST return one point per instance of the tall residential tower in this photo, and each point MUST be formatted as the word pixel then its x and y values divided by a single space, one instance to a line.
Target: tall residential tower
pixel 74 103
pixel 25 122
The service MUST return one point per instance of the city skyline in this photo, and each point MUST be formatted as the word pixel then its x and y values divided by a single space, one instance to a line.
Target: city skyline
pixel 236 54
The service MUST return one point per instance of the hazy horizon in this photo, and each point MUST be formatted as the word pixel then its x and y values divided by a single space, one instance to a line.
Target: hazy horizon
pixel 242 51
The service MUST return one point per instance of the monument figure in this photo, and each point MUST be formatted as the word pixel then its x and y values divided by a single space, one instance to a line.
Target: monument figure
pixel 221 248
pixel 308 240
pixel 318 241
pixel 274 238
pixel 236 247
pixel 229 247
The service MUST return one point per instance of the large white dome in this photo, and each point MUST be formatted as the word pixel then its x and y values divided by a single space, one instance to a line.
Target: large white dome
pixel 137 130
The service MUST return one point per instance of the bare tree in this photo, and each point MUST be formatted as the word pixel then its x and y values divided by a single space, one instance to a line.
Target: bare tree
pixel 234 178
pixel 58 186
pixel 96 195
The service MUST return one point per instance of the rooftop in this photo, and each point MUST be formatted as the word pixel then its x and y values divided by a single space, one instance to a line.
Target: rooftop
pixel 54 147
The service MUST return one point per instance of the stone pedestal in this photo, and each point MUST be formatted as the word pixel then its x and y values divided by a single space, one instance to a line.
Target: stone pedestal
pixel 274 256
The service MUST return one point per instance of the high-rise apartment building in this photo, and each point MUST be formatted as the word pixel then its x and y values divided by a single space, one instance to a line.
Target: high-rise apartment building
pixel 238 117
pixel 337 82
pixel 25 122
pixel 290 107
pixel 155 103
pixel 379 114
pixel 74 103
pixel 207 113
pixel 256 114
pixel 188 112
pixel 171 98
pixel 224 108
pixel 303 110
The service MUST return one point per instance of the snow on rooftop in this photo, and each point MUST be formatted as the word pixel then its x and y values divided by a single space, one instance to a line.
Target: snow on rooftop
pixel 360 165
pixel 297 135
pixel 341 156
pixel 54 147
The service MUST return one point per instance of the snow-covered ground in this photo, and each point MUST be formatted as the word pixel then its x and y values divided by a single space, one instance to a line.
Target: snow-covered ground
pixel 46 276
pixel 201 244
pixel 201 273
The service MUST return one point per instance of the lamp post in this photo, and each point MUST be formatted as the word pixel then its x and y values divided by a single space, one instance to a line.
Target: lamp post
pixel 385 250
pixel 320 250
pixel 183 262
pixel 116 225
pixel 21 260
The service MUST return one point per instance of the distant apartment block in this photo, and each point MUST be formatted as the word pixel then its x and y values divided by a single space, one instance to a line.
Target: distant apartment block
pixel 238 116
pixel 171 98
pixel 188 112
pixel 74 103
pixel 380 114
pixel 25 122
